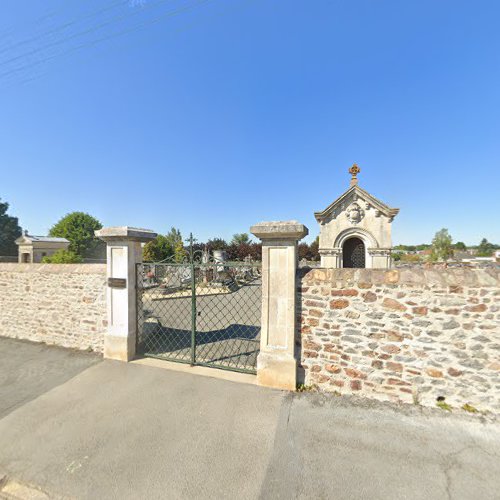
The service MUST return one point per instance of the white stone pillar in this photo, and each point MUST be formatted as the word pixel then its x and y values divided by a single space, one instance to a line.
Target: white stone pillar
pixel 277 362
pixel 123 252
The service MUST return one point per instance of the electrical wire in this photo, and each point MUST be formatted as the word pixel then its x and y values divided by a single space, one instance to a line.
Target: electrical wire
pixel 61 27
pixel 82 33
pixel 108 37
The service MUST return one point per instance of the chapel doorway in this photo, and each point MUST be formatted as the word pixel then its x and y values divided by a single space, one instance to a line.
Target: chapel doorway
pixel 353 253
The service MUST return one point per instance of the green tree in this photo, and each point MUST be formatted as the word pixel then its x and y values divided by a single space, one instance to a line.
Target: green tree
pixel 180 252
pixel 303 251
pixel 240 239
pixel 79 228
pixel 9 231
pixel 460 245
pixel 314 250
pixel 442 246
pixel 485 248
pixel 217 244
pixel 156 250
pixel 406 248
pixel 63 257
pixel 164 247
pixel 173 237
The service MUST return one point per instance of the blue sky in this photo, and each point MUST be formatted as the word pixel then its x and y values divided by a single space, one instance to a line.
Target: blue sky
pixel 212 115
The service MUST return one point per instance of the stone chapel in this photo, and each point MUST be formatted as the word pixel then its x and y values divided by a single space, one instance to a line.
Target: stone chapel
pixel 355 230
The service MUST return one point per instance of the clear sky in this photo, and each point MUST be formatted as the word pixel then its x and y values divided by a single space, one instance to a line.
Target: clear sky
pixel 212 115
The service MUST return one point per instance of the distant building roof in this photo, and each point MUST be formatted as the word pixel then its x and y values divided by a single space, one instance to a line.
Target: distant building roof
pixel 48 238
pixel 26 239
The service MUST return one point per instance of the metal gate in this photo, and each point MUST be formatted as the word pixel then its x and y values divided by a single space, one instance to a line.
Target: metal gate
pixel 201 312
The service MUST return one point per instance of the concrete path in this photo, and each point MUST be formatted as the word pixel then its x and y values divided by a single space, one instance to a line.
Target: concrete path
pixel 78 427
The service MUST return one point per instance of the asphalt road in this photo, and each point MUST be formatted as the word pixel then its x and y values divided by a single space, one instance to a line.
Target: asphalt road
pixel 103 430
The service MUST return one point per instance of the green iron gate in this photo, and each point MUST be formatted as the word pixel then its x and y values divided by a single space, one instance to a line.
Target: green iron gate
pixel 201 312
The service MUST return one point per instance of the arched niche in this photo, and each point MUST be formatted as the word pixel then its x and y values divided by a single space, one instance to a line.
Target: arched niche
pixel 356 232
pixel 354 253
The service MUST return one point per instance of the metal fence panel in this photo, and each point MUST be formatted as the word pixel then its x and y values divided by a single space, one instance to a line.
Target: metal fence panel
pixel 200 313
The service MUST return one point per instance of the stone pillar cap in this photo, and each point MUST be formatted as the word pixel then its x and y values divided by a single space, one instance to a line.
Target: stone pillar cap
pixel 290 229
pixel 125 233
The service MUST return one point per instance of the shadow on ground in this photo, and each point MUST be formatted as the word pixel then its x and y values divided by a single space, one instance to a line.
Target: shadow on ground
pixel 29 370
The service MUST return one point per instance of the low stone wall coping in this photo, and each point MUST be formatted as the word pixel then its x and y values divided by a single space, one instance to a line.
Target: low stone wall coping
pixel 343 278
pixel 54 268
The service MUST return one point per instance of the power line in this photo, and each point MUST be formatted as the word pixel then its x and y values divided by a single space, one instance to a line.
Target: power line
pixel 109 37
pixel 81 33
pixel 183 29
pixel 61 27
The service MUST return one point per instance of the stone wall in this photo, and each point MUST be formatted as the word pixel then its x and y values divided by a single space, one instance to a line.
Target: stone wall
pixel 62 304
pixel 407 335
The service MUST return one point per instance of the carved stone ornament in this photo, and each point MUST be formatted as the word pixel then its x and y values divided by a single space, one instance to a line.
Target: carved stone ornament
pixel 355 213
pixel 330 251
pixel 379 251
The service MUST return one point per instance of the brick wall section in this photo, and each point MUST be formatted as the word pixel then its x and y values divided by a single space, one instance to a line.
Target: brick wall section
pixel 403 335
pixel 62 304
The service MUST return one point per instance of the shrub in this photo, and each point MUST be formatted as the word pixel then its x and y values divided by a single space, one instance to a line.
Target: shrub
pixel 63 257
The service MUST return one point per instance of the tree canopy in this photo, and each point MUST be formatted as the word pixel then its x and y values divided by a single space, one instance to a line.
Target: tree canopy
pixel 442 245
pixel 240 239
pixel 9 231
pixel 164 247
pixel 412 248
pixel 78 228
pixel 485 248
pixel 309 252
pixel 217 244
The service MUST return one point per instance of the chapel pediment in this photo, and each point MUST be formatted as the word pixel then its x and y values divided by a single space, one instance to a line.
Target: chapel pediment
pixel 24 240
pixel 355 201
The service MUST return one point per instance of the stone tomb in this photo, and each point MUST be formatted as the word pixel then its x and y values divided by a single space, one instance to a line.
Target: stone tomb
pixel 355 230
pixel 32 249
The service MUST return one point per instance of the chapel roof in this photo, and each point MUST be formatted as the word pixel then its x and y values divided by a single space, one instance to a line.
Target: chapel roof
pixel 360 193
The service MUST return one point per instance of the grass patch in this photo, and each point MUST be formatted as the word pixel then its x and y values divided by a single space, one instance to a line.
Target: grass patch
pixel 444 405
pixel 305 388
pixel 469 408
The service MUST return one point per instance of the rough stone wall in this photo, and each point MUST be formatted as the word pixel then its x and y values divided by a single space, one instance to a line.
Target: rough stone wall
pixel 62 304
pixel 403 335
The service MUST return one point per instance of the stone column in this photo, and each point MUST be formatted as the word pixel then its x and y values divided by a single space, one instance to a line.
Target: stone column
pixel 331 257
pixel 277 362
pixel 123 252
pixel 380 258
